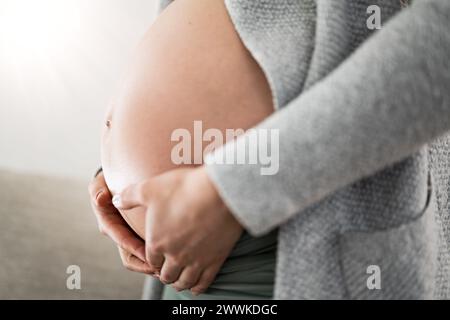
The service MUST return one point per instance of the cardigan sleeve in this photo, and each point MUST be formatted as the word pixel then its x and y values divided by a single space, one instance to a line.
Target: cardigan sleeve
pixel 386 101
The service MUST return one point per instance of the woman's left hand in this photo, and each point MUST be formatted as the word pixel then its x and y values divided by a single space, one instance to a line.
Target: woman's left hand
pixel 111 223
pixel 189 230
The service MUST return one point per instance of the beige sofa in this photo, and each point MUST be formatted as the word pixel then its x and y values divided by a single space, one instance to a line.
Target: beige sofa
pixel 46 225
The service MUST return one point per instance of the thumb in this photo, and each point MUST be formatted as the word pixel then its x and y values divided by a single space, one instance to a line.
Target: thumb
pixel 131 197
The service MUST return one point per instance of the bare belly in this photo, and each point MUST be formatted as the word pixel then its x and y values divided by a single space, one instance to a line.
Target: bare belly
pixel 191 66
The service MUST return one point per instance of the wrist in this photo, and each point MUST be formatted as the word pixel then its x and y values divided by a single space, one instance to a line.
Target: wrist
pixel 214 200
pixel 208 188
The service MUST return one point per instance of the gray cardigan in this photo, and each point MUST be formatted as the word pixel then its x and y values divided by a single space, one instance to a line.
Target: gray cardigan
pixel 364 173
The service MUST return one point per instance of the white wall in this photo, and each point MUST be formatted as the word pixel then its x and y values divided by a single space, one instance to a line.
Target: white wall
pixel 59 65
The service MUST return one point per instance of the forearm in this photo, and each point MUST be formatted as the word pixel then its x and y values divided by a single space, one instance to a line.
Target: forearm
pixel 385 102
pixel 190 92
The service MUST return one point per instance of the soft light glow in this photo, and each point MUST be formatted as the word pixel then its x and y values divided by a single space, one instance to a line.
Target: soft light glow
pixel 60 62
pixel 30 27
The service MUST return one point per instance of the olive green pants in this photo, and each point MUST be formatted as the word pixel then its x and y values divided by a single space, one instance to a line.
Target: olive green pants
pixel 248 273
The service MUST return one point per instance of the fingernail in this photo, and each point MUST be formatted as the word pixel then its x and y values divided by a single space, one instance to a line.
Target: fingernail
pixel 140 256
pixel 196 293
pixel 99 193
pixel 165 281
pixel 140 253
pixel 117 200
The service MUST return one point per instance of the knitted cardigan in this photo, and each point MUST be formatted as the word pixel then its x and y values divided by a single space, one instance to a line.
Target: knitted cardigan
pixel 364 149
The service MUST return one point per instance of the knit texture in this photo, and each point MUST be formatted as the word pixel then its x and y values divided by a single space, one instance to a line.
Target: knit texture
pixel 364 146
pixel 440 168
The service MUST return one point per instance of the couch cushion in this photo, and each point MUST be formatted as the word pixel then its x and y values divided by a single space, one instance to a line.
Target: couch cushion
pixel 46 225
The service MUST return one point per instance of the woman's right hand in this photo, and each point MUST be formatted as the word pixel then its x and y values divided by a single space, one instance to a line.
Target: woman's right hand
pixel 111 224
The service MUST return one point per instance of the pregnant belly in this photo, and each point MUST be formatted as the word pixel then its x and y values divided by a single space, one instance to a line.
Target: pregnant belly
pixel 190 66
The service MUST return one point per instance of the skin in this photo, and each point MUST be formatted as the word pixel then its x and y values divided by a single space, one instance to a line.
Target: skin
pixel 190 231
pixel 191 65
pixel 111 224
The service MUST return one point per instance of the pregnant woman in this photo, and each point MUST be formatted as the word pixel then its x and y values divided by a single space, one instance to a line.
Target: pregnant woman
pixel 191 66
pixel 364 133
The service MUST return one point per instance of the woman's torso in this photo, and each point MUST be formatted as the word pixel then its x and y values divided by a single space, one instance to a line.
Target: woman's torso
pixel 191 66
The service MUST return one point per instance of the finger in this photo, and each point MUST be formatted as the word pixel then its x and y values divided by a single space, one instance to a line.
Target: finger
pixel 133 263
pixel 98 191
pixel 188 278
pixel 101 204
pixel 133 196
pixel 126 239
pixel 155 257
pixel 205 280
pixel 112 224
pixel 106 216
pixel 170 271
pixel 103 198
pixel 109 220
pixel 101 228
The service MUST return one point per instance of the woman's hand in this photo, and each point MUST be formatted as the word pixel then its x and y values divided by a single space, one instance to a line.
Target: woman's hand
pixel 189 230
pixel 111 223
